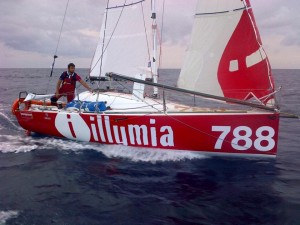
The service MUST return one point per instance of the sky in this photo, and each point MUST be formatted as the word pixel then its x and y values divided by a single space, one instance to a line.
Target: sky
pixel 29 32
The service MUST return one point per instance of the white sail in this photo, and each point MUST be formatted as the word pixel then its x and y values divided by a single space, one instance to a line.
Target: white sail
pixel 225 56
pixel 126 41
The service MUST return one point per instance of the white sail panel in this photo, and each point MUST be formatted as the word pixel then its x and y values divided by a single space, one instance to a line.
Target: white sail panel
pixel 210 35
pixel 225 56
pixel 125 48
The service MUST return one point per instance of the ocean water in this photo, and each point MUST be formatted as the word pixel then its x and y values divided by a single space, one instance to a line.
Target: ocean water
pixel 46 180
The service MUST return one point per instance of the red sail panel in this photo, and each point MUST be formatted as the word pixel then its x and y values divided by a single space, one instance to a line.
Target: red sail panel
pixel 225 56
pixel 245 73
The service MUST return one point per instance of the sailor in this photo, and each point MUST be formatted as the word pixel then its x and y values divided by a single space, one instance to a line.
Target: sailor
pixel 66 85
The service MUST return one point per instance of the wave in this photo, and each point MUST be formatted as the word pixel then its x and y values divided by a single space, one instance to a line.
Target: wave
pixel 6 122
pixel 6 215
pixel 17 144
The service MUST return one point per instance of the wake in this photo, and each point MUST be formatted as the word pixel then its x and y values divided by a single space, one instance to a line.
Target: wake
pixel 18 144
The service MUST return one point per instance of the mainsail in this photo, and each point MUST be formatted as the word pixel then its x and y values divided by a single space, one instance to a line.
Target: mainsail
pixel 225 56
pixel 124 40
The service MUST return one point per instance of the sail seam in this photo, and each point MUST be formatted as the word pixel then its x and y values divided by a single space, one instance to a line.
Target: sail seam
pixel 221 12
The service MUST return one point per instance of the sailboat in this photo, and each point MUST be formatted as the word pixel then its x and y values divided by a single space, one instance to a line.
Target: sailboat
pixel 225 64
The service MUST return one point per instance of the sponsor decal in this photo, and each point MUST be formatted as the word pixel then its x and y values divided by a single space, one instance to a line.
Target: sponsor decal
pixel 105 129
pixel 100 129
pixel 72 126
pixel 26 114
pixel 47 117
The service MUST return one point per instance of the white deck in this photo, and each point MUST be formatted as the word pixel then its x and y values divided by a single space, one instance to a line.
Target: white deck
pixel 126 103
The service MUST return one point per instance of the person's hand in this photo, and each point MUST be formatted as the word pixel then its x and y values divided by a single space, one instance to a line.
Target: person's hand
pixel 56 94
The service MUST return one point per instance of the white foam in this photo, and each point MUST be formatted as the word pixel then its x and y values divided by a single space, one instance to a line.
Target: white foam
pixel 16 144
pixel 147 154
pixel 64 145
pixel 6 215
pixel 120 151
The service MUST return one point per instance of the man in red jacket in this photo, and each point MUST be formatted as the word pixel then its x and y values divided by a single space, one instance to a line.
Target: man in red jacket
pixel 67 83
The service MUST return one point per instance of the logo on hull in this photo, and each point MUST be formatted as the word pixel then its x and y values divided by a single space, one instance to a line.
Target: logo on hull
pixel 72 126
pixel 99 129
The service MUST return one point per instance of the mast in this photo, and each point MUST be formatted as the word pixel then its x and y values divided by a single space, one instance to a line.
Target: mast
pixel 154 50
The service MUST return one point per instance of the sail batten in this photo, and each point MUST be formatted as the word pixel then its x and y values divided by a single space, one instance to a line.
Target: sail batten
pixel 225 56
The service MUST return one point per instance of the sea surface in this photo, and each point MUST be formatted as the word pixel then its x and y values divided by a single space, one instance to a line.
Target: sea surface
pixel 46 180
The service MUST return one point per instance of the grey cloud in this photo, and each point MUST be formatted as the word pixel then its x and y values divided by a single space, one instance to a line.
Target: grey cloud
pixel 34 25
pixel 280 18
pixel 178 21
pixel 292 39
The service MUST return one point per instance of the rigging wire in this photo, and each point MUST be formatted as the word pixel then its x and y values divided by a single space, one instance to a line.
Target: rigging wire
pixel 103 50
pixel 55 53
pixel 103 41
pixel 61 28
pixel 100 58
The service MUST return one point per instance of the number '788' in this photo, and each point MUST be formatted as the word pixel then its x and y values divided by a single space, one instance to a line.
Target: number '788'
pixel 242 137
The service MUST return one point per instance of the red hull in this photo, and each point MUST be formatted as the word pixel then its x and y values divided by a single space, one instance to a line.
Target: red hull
pixel 233 133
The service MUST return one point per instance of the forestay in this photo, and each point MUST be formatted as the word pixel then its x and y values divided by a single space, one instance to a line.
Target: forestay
pixel 225 56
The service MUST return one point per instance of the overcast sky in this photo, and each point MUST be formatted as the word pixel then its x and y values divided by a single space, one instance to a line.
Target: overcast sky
pixel 29 31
